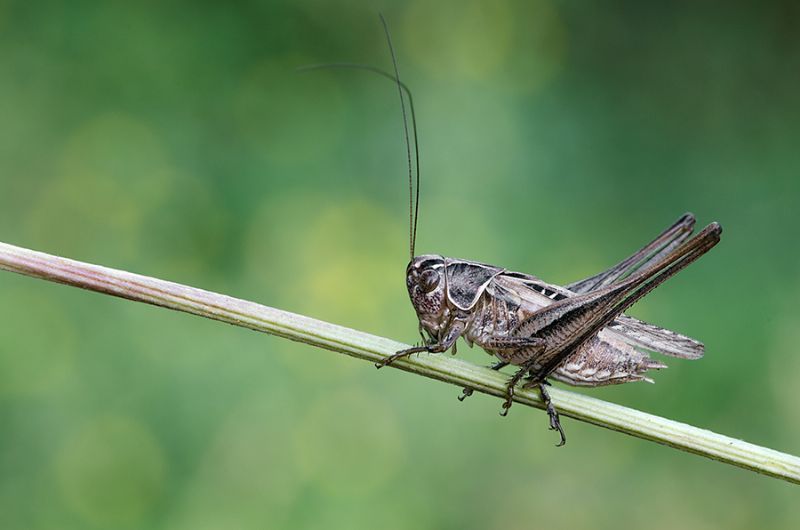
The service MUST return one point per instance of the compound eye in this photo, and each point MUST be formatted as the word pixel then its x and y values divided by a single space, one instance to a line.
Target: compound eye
pixel 428 280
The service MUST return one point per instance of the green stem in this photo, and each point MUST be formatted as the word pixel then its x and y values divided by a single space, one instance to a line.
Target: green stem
pixel 372 348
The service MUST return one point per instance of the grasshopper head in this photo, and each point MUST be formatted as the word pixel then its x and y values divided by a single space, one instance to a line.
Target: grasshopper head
pixel 425 279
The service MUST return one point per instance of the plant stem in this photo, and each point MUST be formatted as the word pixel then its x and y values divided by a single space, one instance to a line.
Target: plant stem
pixel 373 348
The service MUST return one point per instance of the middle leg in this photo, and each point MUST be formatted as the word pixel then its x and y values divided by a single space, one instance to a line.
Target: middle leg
pixel 467 392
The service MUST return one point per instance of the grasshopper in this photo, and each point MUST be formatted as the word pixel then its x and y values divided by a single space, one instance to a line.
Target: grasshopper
pixel 577 334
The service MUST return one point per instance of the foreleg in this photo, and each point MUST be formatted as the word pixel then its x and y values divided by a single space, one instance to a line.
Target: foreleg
pixel 452 333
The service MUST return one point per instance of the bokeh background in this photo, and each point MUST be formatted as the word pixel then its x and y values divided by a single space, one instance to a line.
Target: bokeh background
pixel 176 139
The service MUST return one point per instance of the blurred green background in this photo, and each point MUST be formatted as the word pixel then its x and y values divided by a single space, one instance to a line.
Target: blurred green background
pixel 175 139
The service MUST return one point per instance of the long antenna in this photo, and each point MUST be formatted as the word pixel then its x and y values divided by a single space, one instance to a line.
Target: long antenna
pixel 413 200
pixel 387 75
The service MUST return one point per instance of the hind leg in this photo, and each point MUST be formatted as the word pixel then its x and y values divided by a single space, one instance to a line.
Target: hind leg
pixel 555 422
pixel 521 351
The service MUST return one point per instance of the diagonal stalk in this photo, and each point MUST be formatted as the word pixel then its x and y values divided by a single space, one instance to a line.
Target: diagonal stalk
pixel 373 348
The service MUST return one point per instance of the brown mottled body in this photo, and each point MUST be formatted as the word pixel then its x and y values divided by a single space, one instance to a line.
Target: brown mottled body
pixel 511 298
pixel 577 334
